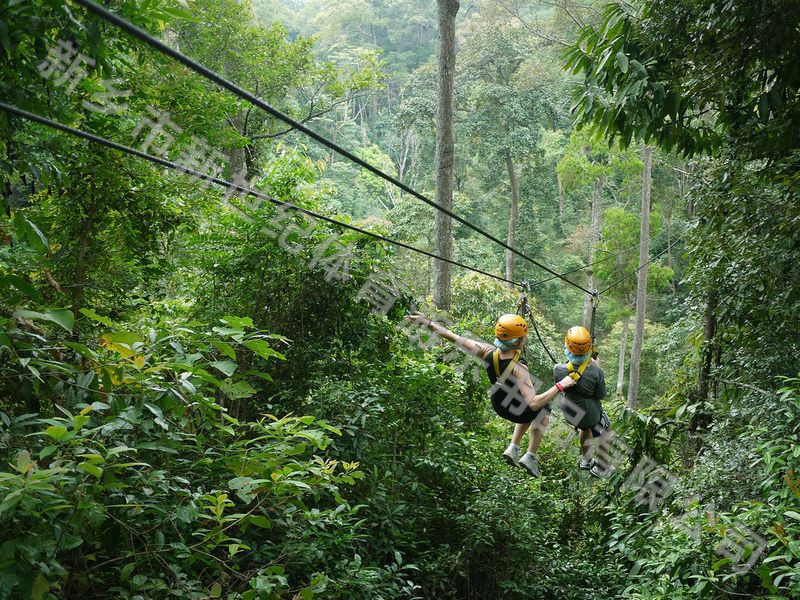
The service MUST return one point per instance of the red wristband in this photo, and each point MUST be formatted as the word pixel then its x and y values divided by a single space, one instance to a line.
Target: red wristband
pixel 559 387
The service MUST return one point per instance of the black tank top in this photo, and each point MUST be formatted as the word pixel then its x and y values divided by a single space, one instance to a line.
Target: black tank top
pixel 511 409
pixel 503 362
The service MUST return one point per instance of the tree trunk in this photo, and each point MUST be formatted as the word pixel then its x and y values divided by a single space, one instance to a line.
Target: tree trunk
pixel 373 117
pixel 512 218
pixel 623 347
pixel 560 197
pixel 445 150
pixel 702 418
pixel 594 238
pixel 236 156
pixel 641 283
pixel 708 349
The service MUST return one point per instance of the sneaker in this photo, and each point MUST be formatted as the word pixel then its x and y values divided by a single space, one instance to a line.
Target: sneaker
pixel 530 464
pixel 511 455
pixel 601 473
pixel 586 465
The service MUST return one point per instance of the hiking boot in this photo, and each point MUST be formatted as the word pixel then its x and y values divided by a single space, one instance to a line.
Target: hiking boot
pixel 600 472
pixel 530 463
pixel 586 465
pixel 511 455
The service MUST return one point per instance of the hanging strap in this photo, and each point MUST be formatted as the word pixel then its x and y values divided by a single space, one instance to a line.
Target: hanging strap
pixel 595 300
pixel 576 375
pixel 496 360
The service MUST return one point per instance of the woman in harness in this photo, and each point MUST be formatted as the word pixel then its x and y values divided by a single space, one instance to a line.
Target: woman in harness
pixel 513 395
pixel 581 405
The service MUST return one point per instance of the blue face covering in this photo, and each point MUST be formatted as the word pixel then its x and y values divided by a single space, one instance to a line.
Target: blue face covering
pixel 574 358
pixel 507 344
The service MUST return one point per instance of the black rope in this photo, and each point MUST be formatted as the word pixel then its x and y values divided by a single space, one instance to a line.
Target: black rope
pixel 541 341
pixel 135 31
pixel 523 309
pixel 227 184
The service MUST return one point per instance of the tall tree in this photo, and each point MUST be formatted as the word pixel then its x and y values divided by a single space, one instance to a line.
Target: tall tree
pixel 641 283
pixel 589 161
pixel 448 9
pixel 594 238
pixel 512 217
pixel 503 111
pixel 620 239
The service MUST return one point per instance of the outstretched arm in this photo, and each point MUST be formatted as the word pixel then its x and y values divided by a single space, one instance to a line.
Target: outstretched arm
pixel 472 346
pixel 533 400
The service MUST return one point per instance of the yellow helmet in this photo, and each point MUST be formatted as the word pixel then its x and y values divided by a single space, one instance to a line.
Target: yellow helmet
pixel 510 327
pixel 578 340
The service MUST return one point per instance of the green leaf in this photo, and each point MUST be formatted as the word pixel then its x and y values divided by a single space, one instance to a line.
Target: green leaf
pixel 92 469
pixel 622 62
pixel 215 591
pixel 237 390
pixel 174 11
pixel 225 348
pixel 225 366
pixel 260 521
pixel 23 461
pixel 159 414
pixel 719 563
pixel 263 349
pixel 237 322
pixel 122 342
pixel 329 427
pixel 88 312
pixel 78 421
pixel 84 351
pixel 47 451
pixel 118 450
pixel 792 515
pixel 234 333
pixel 56 431
pixel 26 230
pixel 126 571
pixel 40 587
pixel 61 316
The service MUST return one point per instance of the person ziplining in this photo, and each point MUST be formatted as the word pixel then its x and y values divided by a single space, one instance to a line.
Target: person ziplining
pixel 582 403
pixel 514 398
pixel 513 394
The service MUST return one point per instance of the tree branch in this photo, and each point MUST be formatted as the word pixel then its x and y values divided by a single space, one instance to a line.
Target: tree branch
pixel 309 117
pixel 530 28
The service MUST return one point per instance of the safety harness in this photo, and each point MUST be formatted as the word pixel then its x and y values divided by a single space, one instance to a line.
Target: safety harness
pixel 501 379
pixel 576 374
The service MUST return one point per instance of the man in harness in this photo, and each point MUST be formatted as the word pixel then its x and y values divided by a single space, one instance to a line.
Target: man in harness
pixel 581 404
pixel 513 395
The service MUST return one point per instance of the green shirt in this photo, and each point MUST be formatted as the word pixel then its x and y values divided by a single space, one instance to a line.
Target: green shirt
pixel 581 406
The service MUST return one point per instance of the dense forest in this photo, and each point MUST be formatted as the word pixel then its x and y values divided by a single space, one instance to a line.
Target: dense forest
pixel 214 227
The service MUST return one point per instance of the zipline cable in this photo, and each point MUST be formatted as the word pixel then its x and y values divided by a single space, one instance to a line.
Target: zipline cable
pixel 227 184
pixel 135 31
pixel 636 270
